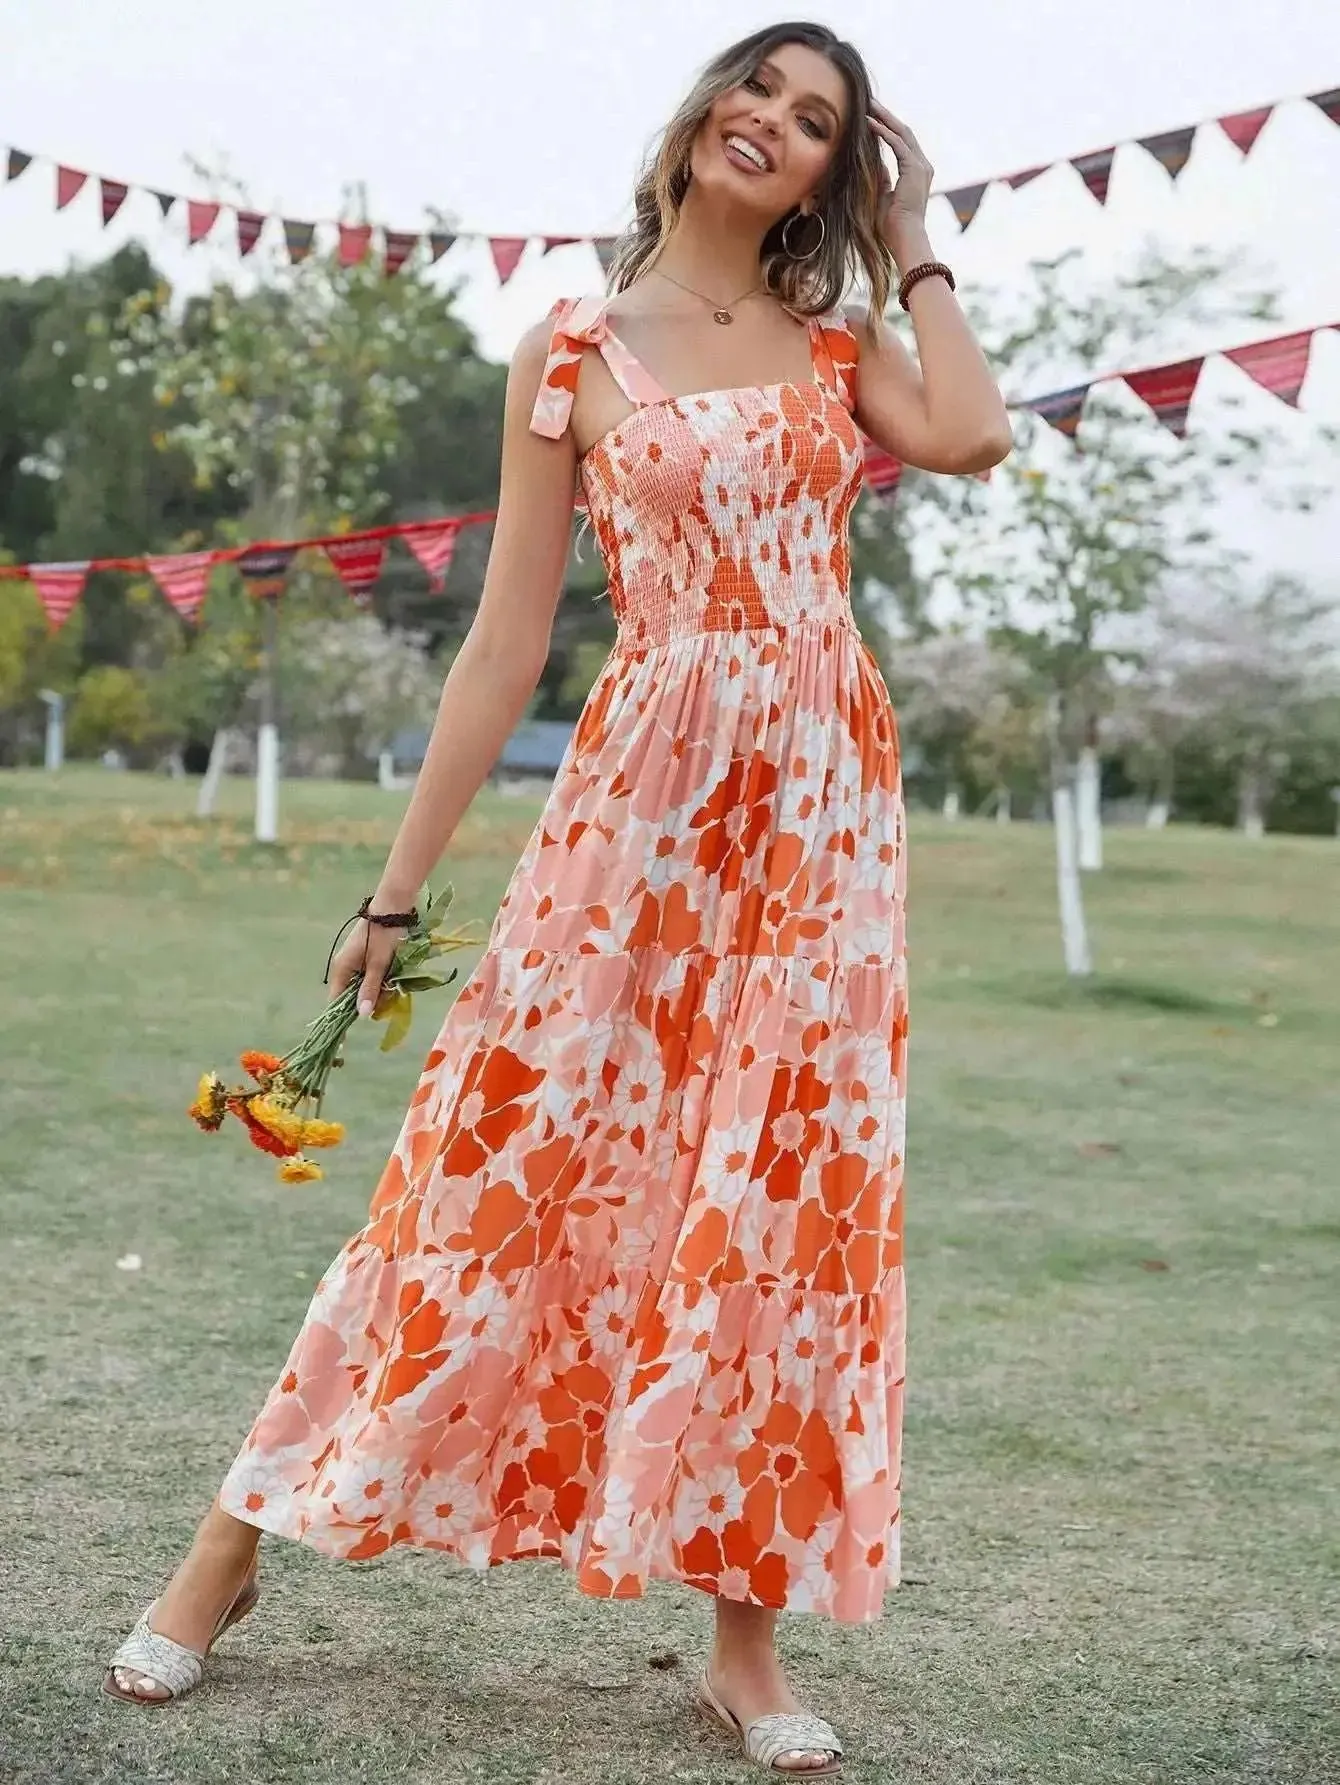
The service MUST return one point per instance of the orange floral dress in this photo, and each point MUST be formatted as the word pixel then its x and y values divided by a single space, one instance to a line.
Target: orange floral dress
pixel 630 1293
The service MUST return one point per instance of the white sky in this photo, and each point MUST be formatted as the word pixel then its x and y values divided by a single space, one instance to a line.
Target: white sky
pixel 520 117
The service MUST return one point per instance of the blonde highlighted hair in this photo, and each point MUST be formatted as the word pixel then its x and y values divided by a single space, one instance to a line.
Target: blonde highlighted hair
pixel 849 203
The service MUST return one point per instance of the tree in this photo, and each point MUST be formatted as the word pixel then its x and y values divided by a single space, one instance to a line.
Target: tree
pixel 943 686
pixel 1073 543
pixel 1259 666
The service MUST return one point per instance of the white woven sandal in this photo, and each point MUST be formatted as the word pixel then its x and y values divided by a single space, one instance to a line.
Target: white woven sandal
pixel 167 1663
pixel 783 1732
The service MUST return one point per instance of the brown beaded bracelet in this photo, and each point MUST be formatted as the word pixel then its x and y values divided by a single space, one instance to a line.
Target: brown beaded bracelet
pixel 927 270
pixel 387 920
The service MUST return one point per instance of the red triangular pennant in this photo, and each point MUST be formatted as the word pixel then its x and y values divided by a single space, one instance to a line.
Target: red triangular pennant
pixel 1279 366
pixel 506 252
pixel 438 243
pixel 1095 170
pixel 561 242
pixel 359 564
pixel 15 162
pixel 433 544
pixel 59 587
pixel 965 200
pixel 882 470
pixel 201 216
pixel 1168 391
pixel 400 244
pixel 249 227
pixel 1062 408
pixel 184 579
pixel 69 184
pixel 166 200
pixel 1243 128
pixel 113 197
pixel 298 239
pixel 1328 102
pixel 1171 148
pixel 355 240
pixel 1015 181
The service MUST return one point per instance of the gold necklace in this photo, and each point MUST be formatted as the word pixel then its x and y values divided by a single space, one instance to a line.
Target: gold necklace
pixel 723 313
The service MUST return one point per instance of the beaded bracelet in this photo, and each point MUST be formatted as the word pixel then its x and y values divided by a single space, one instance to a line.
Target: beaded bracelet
pixel 387 920
pixel 927 270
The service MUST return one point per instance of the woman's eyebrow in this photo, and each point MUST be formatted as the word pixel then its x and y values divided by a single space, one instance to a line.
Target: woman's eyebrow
pixel 811 99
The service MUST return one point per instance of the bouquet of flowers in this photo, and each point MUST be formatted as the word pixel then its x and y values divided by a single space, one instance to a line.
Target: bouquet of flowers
pixel 281 1107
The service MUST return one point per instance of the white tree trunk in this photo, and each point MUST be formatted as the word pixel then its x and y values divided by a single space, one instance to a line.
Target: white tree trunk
pixel 1003 809
pixel 209 786
pixel 267 784
pixel 1088 810
pixel 950 808
pixel 1156 818
pixel 1251 813
pixel 1070 895
pixel 386 775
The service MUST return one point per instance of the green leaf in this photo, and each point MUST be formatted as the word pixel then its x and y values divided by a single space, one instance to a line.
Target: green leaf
pixel 439 907
pixel 422 982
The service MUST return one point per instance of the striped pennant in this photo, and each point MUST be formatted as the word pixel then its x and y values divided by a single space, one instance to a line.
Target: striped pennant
pixel 1061 408
pixel 1168 390
pixel 59 587
pixel 1171 148
pixel 113 197
pixel 1096 171
pixel 358 562
pixel 184 579
pixel 298 238
pixel 400 244
pixel 432 544
pixel 1279 366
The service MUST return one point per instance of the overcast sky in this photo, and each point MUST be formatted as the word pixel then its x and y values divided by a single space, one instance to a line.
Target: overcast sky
pixel 518 117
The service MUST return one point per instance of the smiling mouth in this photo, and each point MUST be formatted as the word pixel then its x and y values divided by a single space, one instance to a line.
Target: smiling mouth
pixel 741 150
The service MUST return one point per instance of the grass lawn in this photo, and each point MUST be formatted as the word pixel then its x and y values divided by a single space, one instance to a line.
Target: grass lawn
pixel 1123 1434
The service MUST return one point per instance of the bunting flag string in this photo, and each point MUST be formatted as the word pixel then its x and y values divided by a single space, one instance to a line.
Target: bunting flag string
pixel 355 241
pixel 1278 365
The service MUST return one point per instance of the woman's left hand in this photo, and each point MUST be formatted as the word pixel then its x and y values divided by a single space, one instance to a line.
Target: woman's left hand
pixel 901 206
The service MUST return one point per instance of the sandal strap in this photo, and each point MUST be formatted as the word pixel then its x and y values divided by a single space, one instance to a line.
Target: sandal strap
pixel 783 1731
pixel 167 1663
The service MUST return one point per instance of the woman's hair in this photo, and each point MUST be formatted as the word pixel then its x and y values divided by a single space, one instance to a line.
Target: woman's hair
pixel 849 203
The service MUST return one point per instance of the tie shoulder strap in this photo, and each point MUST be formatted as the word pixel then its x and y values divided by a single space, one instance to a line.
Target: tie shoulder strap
pixel 580 323
pixel 836 355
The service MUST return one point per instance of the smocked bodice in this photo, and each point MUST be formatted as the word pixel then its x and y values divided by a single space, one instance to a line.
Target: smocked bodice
pixel 725 511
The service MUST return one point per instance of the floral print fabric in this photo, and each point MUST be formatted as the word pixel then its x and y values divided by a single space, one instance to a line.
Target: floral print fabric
pixel 630 1294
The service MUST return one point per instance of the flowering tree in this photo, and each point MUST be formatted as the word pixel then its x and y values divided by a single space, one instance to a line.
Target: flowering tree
pixel 1073 542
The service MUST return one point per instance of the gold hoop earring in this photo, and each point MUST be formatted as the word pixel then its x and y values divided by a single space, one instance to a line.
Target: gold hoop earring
pixel 809 253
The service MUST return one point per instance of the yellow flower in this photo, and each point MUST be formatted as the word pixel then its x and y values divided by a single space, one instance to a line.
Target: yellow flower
pixel 299 1170
pixel 322 1134
pixel 211 1103
pixel 282 1123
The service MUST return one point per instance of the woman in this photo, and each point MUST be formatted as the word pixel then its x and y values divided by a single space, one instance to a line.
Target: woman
pixel 630 1294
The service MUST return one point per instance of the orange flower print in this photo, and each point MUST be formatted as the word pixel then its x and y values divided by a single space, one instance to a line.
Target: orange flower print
pixel 630 1292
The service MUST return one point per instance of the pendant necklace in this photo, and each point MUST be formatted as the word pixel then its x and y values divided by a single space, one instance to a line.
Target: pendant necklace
pixel 723 313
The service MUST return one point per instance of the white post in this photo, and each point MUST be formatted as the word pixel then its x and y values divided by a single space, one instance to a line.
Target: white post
pixel 386 772
pixel 950 808
pixel 1004 806
pixel 1088 809
pixel 267 783
pixel 209 786
pixel 1074 932
pixel 1156 818
pixel 54 753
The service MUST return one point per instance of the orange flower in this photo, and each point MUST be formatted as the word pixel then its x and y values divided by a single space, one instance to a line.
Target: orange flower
pixel 260 1135
pixel 261 1066
pixel 211 1103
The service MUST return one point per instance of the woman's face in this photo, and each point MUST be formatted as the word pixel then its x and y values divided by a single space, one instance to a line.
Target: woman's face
pixel 770 142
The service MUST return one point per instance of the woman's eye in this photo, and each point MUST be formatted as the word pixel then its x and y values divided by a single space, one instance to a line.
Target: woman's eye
pixel 814 129
pixel 754 84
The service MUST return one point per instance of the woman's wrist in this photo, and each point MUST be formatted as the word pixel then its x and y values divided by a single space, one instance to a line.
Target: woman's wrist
pixel 908 240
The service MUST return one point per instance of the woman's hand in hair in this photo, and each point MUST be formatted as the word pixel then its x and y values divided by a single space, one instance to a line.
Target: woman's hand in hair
pixel 902 205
